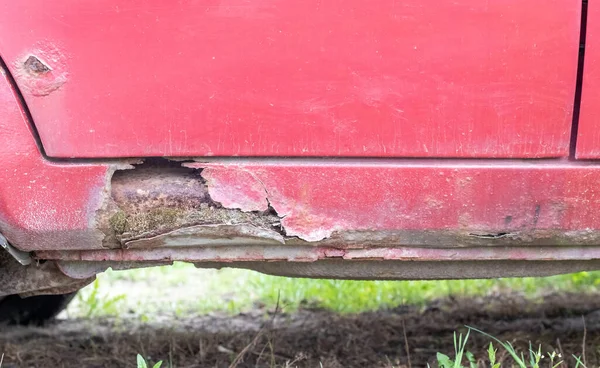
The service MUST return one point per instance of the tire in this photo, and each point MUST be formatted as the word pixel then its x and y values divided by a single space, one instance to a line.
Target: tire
pixel 35 310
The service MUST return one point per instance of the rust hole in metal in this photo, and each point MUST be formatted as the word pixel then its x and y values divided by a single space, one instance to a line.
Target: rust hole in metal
pixel 491 235
pixel 35 65
pixel 158 197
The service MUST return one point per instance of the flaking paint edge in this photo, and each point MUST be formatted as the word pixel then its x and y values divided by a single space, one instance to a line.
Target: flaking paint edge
pixel 239 188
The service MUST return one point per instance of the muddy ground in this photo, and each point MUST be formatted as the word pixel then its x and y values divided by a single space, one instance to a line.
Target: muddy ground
pixel 313 338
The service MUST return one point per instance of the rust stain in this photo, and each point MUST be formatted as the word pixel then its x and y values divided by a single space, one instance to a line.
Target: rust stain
pixel 158 205
pixel 35 65
pixel 167 205
pixel 210 235
pixel 35 279
pixel 310 253
pixel 162 205
pixel 42 71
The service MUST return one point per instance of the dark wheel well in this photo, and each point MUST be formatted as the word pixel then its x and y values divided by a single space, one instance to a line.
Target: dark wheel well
pixel 34 310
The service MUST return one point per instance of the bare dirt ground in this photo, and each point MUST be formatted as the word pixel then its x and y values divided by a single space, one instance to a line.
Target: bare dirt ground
pixel 314 338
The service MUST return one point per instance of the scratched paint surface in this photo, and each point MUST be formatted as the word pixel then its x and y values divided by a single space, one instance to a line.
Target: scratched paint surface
pixel 42 203
pixel 316 199
pixel 460 78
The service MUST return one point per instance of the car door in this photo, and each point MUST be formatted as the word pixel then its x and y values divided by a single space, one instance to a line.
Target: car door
pixel 309 78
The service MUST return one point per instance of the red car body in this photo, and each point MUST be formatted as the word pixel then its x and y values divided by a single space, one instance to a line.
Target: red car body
pixel 349 139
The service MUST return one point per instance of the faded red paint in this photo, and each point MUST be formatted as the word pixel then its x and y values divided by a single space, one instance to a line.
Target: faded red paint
pixel 316 198
pixel 461 79
pixel 458 78
pixel 43 204
pixel 327 208
pixel 588 137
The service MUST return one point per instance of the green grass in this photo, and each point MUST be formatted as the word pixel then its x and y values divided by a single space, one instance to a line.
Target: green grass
pixel 142 363
pixel 357 296
pixel 533 358
pixel 182 289
pixel 463 358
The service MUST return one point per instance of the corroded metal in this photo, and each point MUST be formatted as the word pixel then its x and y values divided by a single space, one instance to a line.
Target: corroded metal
pixel 36 278
pixel 156 204
pixel 427 270
pixel 22 257
pixel 211 235
pixel 84 270
pixel 244 214
pixel 308 253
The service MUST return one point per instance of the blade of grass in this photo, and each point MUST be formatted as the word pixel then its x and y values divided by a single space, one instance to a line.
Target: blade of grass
pixel 583 342
pixel 461 349
pixel 141 362
pixel 579 362
pixel 506 345
pixel 406 345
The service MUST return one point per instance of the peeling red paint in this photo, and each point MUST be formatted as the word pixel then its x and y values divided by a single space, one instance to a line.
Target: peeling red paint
pixel 389 204
pixel 235 188
pixel 300 222
pixel 487 200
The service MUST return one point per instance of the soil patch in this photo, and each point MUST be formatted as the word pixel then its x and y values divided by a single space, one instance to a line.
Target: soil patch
pixel 311 338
